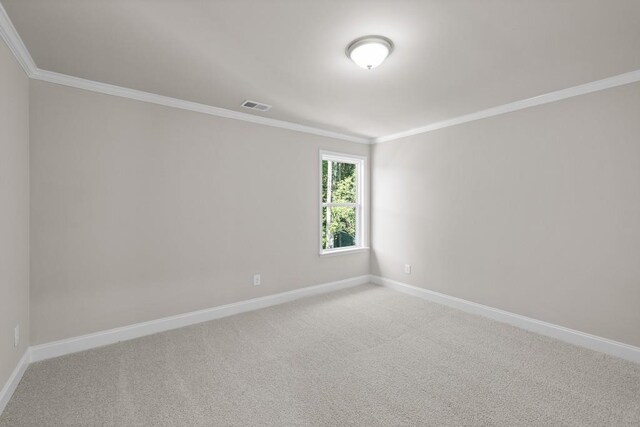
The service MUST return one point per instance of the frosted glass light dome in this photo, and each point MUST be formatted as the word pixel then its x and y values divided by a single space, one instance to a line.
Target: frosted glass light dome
pixel 370 51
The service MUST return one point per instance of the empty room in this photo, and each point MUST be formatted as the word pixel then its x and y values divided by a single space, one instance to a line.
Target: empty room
pixel 319 213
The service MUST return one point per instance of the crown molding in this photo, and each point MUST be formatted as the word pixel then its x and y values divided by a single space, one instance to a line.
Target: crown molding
pixel 105 88
pixel 609 82
pixel 138 95
pixel 14 43
pixel 19 50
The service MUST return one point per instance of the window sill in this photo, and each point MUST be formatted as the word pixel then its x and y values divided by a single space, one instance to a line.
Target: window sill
pixel 345 251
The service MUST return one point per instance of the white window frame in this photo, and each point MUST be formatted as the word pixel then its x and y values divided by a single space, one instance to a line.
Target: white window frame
pixel 360 204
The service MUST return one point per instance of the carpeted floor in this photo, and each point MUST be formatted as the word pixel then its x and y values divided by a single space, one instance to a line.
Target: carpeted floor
pixel 366 356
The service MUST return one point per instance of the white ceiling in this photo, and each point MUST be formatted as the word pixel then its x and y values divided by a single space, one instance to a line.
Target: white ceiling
pixel 451 57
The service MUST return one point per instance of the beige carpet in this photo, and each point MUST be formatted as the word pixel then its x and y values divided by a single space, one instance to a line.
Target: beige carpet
pixel 366 356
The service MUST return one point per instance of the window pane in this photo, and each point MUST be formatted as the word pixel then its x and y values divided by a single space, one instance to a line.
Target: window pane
pixel 338 227
pixel 338 182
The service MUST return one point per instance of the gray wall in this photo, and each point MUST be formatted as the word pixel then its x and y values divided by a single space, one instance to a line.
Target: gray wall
pixel 140 211
pixel 14 211
pixel 536 212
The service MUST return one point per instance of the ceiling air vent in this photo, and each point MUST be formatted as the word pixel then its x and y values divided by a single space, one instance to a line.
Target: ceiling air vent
pixel 253 105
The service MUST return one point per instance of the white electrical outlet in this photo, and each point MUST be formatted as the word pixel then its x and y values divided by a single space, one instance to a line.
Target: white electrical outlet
pixel 407 269
pixel 256 279
pixel 16 336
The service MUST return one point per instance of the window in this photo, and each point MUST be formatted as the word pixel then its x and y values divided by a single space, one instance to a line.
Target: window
pixel 341 202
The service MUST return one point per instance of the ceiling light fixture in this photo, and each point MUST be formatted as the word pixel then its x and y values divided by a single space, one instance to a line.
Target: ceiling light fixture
pixel 369 51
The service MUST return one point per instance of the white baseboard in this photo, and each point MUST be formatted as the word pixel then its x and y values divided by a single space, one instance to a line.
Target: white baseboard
pixel 112 336
pixel 40 352
pixel 14 379
pixel 582 339
pixel 72 345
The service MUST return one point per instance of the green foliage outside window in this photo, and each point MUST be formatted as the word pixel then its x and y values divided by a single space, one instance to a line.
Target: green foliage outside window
pixel 341 230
